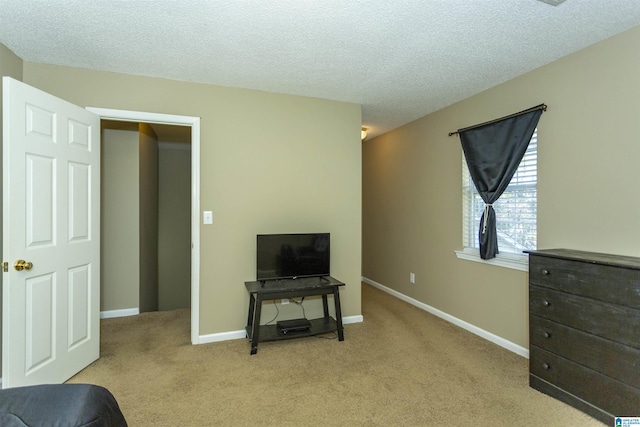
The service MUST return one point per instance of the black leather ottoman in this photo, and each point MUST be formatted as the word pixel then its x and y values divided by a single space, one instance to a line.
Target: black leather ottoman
pixel 60 405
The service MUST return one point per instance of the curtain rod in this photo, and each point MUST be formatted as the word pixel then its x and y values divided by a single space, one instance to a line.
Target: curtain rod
pixel 542 107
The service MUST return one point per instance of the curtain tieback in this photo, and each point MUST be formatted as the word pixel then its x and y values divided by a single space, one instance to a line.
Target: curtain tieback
pixel 484 217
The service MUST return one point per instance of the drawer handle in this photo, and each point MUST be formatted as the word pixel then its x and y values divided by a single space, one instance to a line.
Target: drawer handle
pixel 546 303
pixel 546 366
pixel 547 335
pixel 545 272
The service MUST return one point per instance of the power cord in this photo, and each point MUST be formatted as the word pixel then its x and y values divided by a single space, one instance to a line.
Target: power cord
pixel 276 316
pixel 333 336
pixel 300 304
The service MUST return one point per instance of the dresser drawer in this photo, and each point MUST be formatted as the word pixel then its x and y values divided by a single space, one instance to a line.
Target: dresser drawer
pixel 602 282
pixel 614 322
pixel 608 394
pixel 610 358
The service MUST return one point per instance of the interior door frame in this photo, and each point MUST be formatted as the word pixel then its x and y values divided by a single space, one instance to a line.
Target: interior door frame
pixel 194 123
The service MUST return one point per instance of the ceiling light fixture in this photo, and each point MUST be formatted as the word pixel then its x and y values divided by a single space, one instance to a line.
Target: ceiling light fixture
pixel 363 134
pixel 552 2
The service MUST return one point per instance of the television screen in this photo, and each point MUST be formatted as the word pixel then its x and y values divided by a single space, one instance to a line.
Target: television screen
pixel 286 256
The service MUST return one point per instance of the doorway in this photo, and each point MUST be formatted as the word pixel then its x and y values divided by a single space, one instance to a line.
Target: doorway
pixel 145 211
pixel 194 124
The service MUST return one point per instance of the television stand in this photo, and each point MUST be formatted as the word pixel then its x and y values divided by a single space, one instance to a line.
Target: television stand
pixel 260 291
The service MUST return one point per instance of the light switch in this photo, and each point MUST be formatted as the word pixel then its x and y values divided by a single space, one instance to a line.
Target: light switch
pixel 207 217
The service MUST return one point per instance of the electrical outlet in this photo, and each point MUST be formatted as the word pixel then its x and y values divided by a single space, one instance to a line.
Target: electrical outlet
pixel 412 278
pixel 284 301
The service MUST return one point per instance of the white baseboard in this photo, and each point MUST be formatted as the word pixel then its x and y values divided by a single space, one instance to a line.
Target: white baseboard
pixel 204 339
pixel 524 352
pixel 234 335
pixel 119 313
pixel 222 336
pixel 352 319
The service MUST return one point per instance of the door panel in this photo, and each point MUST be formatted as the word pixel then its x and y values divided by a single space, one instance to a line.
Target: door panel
pixel 40 123
pixel 79 305
pixel 40 177
pixel 79 202
pixel 40 350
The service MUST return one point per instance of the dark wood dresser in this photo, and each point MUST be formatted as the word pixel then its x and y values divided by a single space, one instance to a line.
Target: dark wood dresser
pixel 584 330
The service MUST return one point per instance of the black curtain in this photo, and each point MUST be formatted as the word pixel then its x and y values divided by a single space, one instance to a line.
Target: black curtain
pixel 493 152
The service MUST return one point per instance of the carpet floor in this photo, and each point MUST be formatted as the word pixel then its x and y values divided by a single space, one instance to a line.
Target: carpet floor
pixel 400 367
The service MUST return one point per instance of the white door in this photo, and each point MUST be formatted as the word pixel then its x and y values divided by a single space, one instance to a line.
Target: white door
pixel 51 214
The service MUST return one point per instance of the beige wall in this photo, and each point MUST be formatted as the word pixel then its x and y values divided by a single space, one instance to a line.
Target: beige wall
pixel 10 64
pixel 148 200
pixel 174 226
pixel 120 220
pixel 587 169
pixel 269 163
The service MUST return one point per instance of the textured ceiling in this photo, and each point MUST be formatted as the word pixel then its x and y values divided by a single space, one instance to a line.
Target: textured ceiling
pixel 399 59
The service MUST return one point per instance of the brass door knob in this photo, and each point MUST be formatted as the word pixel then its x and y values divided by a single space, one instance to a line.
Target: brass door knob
pixel 22 265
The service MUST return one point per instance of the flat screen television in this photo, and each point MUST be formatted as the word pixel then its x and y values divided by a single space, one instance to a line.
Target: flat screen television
pixel 290 256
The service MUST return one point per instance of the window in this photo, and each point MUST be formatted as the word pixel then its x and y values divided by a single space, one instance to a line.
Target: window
pixel 516 210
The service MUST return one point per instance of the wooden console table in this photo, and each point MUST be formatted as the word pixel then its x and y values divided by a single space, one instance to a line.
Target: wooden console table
pixel 292 288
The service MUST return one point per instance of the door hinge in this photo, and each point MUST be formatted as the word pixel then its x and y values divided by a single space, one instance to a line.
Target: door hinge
pixel 5 266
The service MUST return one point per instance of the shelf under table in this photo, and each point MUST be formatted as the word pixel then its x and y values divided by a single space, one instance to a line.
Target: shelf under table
pixel 321 325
